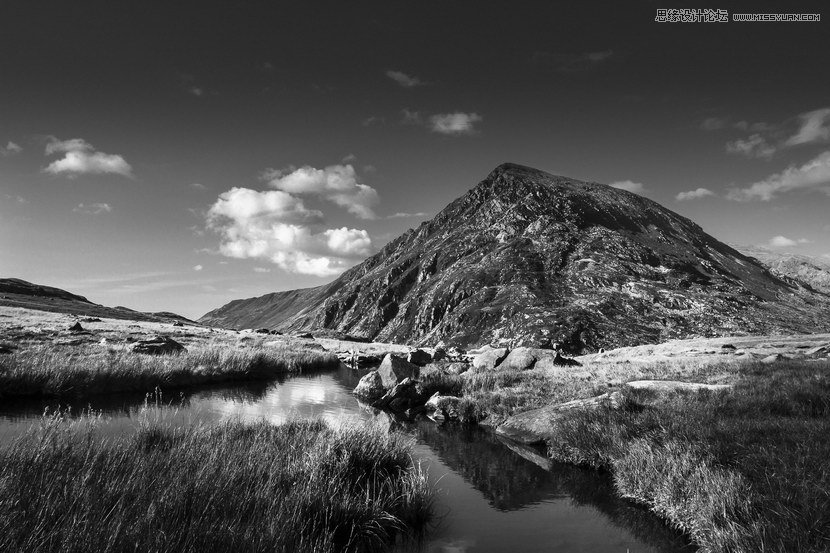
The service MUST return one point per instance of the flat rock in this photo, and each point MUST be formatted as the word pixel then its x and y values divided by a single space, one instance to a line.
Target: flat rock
pixel 158 345
pixel 442 408
pixel 490 359
pixel 669 386
pixel 775 358
pixel 522 359
pixel 394 369
pixel 537 425
pixel 818 352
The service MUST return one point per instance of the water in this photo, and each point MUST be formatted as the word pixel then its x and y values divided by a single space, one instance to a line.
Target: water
pixel 492 495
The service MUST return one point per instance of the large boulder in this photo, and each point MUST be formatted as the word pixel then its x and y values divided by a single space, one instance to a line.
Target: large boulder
pixel 419 357
pixel 370 388
pixel 556 360
pixel 443 408
pixel 406 394
pixel 538 425
pixel 158 345
pixel 457 368
pixel 489 359
pixel 394 369
pixel 522 358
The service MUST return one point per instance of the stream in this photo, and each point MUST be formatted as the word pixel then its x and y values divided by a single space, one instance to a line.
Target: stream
pixel 492 495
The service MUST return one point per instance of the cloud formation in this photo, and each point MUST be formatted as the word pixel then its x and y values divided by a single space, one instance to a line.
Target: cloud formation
pixel 813 175
pixel 815 127
pixel 406 81
pixel 754 146
pixel 784 242
pixel 335 183
pixel 630 186
pixel 275 225
pixel 93 209
pixel 197 268
pixel 80 157
pixel 694 194
pixel 10 149
pixel 454 123
pixel 404 215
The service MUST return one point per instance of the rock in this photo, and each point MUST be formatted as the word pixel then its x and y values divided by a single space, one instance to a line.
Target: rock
pixel 419 357
pixel 728 347
pixel 405 395
pixel 457 368
pixel 443 408
pixel 775 358
pixel 178 323
pixel 158 345
pixel 275 333
pixel 91 320
pixel 555 360
pixel 358 359
pixel 262 331
pixel 7 348
pixel 394 369
pixel 819 352
pixel 538 425
pixel 370 388
pixel 439 353
pixel 489 359
pixel 306 335
pixel 76 327
pixel 668 386
pixel 522 358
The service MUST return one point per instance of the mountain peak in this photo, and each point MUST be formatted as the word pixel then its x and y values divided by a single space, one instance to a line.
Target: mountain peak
pixel 526 257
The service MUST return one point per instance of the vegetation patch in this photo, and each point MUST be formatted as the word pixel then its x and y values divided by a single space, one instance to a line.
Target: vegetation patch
pixel 300 486
pixel 46 370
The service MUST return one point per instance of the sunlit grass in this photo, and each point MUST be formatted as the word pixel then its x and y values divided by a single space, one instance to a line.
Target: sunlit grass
pixel 300 486
pixel 45 370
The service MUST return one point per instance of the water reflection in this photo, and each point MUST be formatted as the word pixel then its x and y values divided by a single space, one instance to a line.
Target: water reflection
pixel 493 495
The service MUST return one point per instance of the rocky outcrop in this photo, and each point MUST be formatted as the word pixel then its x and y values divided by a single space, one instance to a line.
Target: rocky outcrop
pixel 527 258
pixel 158 345
pixel 419 357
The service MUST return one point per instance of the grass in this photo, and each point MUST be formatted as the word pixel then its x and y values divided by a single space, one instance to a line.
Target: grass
pixel 46 370
pixel 300 486
pixel 743 470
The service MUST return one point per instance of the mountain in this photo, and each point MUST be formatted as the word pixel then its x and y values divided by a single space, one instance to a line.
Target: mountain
pixel 527 257
pixel 15 292
pixel 810 271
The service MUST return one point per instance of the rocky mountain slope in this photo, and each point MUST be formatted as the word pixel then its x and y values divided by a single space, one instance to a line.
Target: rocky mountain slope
pixel 528 258
pixel 810 271
pixel 15 292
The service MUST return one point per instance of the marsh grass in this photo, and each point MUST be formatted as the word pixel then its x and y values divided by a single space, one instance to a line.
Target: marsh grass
pixel 300 486
pixel 743 470
pixel 45 370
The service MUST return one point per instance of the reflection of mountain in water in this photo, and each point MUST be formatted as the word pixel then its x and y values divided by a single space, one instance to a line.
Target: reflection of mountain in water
pixel 512 483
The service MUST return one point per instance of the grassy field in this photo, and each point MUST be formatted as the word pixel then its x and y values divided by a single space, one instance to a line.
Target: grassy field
pixel 49 371
pixel 740 470
pixel 301 486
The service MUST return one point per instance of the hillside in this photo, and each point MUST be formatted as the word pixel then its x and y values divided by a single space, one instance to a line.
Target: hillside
pixel 811 271
pixel 527 258
pixel 15 292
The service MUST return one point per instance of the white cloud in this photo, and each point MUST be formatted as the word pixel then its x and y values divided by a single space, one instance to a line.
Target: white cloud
pixel 196 91
pixel 372 120
pixel 572 61
pixel 80 157
pixel 815 174
pixel 10 149
pixel 454 123
pixel 197 267
pixel 197 186
pixel 411 117
pixel 754 146
pixel 694 194
pixel 336 183
pixel 784 242
pixel 16 199
pixel 630 186
pixel 93 209
pixel 276 226
pixel 406 81
pixel 815 127
pixel 712 124
pixel 261 270
pixel 403 215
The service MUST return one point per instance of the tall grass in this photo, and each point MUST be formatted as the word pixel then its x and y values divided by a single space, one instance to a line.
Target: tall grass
pixel 48 371
pixel 744 470
pixel 301 486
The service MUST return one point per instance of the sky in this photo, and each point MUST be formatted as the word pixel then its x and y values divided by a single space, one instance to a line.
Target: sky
pixel 177 155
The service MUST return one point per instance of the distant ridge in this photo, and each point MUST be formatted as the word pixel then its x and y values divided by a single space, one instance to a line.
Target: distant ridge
pixel 15 292
pixel 526 257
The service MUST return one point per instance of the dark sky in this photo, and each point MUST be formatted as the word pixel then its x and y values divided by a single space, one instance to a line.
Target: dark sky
pixel 176 155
